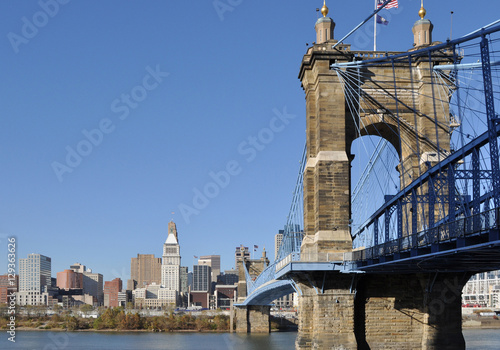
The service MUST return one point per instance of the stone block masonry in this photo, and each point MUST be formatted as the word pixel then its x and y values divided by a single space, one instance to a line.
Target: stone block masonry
pixel 382 312
pixel 253 319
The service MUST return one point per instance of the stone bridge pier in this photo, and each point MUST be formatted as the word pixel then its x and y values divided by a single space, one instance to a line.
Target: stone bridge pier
pixel 253 319
pixel 381 312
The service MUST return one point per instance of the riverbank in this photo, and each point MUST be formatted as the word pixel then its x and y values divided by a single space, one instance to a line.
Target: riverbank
pixel 483 318
pixel 481 323
pixel 117 320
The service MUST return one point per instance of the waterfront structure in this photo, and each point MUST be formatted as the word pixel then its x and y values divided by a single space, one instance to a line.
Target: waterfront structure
pixel 144 269
pixel 224 294
pixel 482 289
pixel 123 298
pixel 214 262
pixel 111 290
pixel 154 296
pixel 200 299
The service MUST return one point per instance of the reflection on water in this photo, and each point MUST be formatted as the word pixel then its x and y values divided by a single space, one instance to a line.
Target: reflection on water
pixel 476 339
pixel 482 339
pixel 173 341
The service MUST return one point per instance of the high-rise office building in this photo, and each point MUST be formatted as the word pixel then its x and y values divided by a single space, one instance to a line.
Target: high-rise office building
pixel 184 279
pixel 202 278
pixel 35 283
pixel 229 277
pixel 93 285
pixel 34 273
pixel 190 280
pixel 111 290
pixel 69 279
pixel 144 270
pixel 214 262
pixel 278 238
pixel 170 268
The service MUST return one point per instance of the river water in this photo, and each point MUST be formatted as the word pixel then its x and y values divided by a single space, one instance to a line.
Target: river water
pixel 477 339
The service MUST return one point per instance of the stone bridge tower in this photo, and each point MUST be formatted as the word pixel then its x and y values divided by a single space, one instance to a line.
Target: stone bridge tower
pixel 253 318
pixel 342 311
pixel 407 120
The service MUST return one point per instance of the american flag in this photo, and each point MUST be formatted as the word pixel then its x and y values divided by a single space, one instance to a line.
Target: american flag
pixel 390 5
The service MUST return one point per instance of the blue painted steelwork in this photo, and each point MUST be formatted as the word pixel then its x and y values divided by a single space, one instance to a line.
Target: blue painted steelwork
pixel 492 118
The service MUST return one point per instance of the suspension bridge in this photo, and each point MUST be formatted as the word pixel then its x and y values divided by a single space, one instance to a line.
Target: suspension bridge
pixel 390 254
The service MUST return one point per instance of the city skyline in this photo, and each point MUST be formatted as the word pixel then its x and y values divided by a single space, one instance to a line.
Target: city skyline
pixel 188 144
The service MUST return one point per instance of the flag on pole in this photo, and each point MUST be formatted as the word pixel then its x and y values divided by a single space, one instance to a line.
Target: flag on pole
pixel 382 20
pixel 255 247
pixel 195 256
pixel 390 5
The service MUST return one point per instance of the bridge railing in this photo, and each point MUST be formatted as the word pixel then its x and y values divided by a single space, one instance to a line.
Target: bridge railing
pixel 287 260
pixel 446 232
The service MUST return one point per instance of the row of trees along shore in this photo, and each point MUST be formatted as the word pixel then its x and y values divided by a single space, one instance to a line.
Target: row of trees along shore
pixel 115 319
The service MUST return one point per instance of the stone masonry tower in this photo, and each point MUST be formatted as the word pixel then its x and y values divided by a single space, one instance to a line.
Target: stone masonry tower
pixel 327 173
pixel 370 311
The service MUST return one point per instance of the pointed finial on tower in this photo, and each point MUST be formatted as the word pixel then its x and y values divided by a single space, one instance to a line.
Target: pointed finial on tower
pixel 422 11
pixel 324 9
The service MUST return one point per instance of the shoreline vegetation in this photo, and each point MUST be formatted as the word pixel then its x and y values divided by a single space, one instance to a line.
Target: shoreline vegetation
pixel 121 320
pixel 126 320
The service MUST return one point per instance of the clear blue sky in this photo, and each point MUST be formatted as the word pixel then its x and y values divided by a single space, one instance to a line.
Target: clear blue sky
pixel 177 91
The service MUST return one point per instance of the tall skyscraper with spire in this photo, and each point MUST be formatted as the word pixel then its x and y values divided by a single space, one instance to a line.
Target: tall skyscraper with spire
pixel 171 262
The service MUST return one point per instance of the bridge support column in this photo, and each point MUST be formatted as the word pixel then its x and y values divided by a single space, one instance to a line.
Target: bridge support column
pixel 326 319
pixel 410 312
pixel 381 312
pixel 253 319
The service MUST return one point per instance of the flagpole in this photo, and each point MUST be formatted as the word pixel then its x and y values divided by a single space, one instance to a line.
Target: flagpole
pixel 375 29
